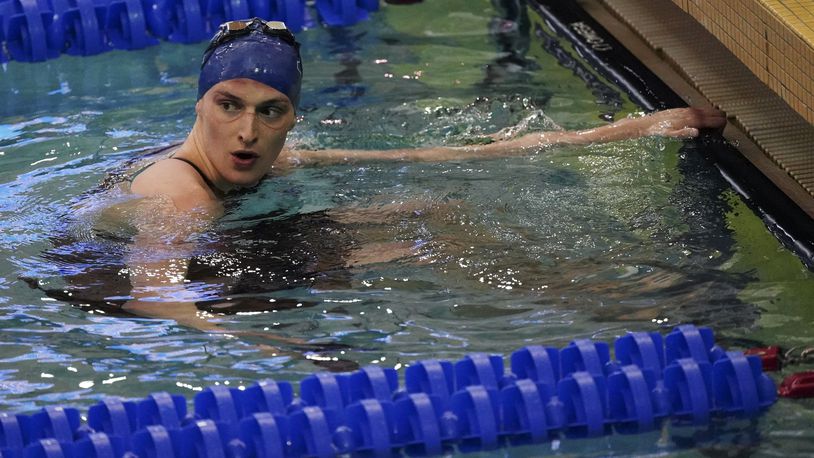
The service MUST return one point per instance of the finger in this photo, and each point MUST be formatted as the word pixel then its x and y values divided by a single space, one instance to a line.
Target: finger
pixel 718 121
pixel 710 117
pixel 685 133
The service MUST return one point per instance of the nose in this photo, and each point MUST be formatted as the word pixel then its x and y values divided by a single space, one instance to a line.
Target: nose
pixel 247 134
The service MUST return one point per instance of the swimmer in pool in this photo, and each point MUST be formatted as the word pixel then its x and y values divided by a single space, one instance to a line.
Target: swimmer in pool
pixel 248 91
pixel 249 87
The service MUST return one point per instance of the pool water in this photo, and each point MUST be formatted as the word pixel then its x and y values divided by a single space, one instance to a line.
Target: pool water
pixel 488 255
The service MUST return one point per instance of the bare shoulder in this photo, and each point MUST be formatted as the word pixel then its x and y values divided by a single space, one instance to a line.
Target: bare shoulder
pixel 173 179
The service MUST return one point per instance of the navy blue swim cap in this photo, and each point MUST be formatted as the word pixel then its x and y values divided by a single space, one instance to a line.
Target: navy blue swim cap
pixel 266 58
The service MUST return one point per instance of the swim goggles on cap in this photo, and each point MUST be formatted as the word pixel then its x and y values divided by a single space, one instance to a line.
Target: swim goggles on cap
pixel 233 29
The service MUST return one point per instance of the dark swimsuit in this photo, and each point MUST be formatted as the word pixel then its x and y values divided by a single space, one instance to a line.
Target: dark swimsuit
pixel 285 253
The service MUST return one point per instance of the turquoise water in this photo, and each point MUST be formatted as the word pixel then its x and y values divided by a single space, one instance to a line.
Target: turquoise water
pixel 493 255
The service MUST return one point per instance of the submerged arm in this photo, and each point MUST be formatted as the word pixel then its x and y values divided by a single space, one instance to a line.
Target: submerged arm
pixel 157 263
pixel 677 123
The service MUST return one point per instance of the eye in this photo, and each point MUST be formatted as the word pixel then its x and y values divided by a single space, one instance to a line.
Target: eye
pixel 229 105
pixel 271 111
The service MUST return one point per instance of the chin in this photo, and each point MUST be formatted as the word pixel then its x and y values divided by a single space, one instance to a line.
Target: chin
pixel 244 177
pixel 246 183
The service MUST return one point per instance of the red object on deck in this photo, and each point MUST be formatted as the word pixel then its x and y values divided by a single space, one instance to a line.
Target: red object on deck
pixel 770 356
pixel 799 385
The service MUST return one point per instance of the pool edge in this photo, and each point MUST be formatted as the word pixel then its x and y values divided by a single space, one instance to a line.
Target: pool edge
pixel 621 54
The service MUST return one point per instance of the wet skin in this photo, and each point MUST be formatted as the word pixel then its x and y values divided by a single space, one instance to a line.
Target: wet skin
pixel 242 127
pixel 239 132
pixel 239 137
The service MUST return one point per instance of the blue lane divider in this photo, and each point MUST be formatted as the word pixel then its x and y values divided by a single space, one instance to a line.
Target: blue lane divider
pixel 187 20
pixel 37 30
pixel 263 435
pixel 163 409
pixel 689 383
pixel 529 412
pixel 636 401
pixel 432 377
pixel 78 27
pixel 292 12
pixel 540 364
pixel 60 423
pixel 480 369
pixel 267 396
pixel 345 12
pixel 471 405
pixel 476 409
pixel 27 27
pixel 126 25
pixel 373 382
pixel 219 11
pixel 739 388
pixel 641 349
pixel 5 8
pixel 421 425
pixel 159 18
pixel 99 445
pixel 585 355
pixel 584 399
pixel 156 441
pixel 372 423
pixel 115 417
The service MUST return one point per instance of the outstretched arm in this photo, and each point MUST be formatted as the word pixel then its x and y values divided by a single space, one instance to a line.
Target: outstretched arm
pixel 677 123
pixel 674 123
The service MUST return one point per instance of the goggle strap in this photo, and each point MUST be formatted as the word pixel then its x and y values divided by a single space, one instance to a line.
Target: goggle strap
pixel 231 29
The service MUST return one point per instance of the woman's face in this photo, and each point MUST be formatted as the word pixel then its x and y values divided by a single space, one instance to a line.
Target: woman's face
pixel 243 127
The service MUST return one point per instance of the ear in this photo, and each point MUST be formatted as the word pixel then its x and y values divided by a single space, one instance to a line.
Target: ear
pixel 198 106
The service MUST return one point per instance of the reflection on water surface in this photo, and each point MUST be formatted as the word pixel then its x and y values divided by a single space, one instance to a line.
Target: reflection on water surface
pixel 478 255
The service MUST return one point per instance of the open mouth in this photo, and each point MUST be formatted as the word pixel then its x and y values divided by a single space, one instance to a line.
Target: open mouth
pixel 244 155
pixel 244 160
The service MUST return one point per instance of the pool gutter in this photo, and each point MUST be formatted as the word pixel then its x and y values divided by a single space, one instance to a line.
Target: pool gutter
pixel 787 213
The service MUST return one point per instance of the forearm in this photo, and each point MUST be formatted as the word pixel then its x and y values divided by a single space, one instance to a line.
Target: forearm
pixel 516 147
pixel 677 123
pixel 350 156
pixel 521 146
pixel 183 313
pixel 623 129
pixel 155 285
pixel 157 272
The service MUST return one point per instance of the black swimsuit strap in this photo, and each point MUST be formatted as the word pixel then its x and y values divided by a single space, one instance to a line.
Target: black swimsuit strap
pixel 132 176
pixel 206 180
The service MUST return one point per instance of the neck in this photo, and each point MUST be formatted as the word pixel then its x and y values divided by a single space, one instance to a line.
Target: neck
pixel 192 149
